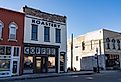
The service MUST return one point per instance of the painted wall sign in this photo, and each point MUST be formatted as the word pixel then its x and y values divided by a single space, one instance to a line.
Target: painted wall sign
pixel 38 50
pixel 45 23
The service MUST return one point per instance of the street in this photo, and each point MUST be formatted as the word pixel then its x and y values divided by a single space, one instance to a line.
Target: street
pixel 101 77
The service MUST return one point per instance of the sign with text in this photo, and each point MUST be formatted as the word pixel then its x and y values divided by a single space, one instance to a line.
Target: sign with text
pixel 38 50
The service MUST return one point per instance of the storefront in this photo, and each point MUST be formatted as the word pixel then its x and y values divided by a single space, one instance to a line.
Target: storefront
pixel 9 60
pixel 40 58
pixel 112 61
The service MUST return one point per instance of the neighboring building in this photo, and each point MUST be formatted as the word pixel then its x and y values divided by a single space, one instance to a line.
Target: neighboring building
pixel 11 41
pixel 45 42
pixel 103 42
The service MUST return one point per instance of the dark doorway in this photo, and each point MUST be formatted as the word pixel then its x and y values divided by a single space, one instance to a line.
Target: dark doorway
pixel 40 64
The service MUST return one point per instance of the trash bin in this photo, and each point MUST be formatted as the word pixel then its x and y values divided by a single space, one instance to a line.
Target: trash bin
pixel 94 69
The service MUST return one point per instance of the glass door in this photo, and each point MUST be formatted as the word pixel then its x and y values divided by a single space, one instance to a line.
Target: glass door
pixel 38 64
pixel 15 67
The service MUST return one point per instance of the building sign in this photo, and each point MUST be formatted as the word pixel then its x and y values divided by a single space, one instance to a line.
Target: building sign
pixel 26 50
pixel 38 50
pixel 45 23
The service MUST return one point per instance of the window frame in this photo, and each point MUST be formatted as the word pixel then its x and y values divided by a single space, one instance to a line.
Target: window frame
pixel 118 44
pixel 13 25
pixel 34 34
pixel 108 43
pixel 46 34
pixel 57 35
pixel 113 43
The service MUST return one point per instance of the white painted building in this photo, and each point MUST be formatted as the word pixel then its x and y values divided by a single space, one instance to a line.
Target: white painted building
pixel 45 38
pixel 108 48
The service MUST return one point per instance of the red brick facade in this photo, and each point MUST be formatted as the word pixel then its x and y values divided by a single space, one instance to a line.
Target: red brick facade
pixel 8 16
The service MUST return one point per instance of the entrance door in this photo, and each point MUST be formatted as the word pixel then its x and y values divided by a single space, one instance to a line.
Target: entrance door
pixel 38 64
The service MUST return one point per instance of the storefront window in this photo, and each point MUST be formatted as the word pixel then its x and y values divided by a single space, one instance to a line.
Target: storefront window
pixel 51 62
pixel 4 65
pixel 28 62
pixel 2 50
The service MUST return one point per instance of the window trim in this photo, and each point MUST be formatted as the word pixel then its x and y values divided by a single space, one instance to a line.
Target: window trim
pixel 16 27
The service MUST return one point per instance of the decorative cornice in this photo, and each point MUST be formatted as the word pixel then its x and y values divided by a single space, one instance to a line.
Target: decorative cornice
pixel 44 15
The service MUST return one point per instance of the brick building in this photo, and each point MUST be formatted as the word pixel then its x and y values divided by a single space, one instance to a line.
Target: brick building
pixel 11 41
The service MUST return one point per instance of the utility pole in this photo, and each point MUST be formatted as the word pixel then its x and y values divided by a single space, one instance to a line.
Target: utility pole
pixel 72 52
pixel 98 68
pixel 97 60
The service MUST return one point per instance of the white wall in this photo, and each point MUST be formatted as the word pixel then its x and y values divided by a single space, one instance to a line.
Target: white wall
pixel 27 34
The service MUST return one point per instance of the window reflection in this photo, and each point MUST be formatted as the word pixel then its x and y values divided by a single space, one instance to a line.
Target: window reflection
pixel 4 65
pixel 28 62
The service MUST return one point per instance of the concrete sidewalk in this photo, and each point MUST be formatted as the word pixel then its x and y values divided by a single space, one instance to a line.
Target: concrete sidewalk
pixel 44 75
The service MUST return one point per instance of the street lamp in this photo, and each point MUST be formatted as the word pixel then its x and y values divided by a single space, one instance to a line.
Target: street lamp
pixel 98 70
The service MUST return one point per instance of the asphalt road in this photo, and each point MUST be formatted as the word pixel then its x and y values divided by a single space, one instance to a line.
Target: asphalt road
pixel 102 77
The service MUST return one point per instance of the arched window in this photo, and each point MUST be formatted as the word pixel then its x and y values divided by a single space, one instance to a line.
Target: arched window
pixel 108 43
pixel 118 44
pixel 113 43
pixel 12 31
pixel 1 28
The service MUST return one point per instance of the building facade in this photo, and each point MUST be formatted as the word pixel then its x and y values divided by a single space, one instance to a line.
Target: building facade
pixel 11 42
pixel 45 45
pixel 104 43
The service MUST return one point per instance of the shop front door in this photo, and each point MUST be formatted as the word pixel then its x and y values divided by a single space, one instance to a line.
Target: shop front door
pixel 38 64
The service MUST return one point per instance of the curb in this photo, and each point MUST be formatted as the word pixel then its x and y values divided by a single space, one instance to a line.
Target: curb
pixel 37 77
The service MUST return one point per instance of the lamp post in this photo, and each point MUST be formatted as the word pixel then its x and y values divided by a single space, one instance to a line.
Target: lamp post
pixel 98 70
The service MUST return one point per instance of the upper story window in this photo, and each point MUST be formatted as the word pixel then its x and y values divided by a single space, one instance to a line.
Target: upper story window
pixel 83 45
pixel 118 44
pixel 108 43
pixel 113 43
pixel 58 35
pixel 1 29
pixel 46 34
pixel 12 31
pixel 34 34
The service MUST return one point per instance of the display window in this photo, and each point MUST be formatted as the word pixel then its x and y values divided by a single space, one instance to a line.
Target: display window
pixel 4 65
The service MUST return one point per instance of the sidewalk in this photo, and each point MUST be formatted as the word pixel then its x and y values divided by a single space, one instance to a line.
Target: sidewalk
pixel 44 75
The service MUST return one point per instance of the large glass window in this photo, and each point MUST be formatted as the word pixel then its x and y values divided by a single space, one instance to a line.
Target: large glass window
pixel 58 35
pixel 51 62
pixel 1 26
pixel 46 34
pixel 5 50
pixel 28 62
pixel 4 65
pixel 34 34
pixel 12 31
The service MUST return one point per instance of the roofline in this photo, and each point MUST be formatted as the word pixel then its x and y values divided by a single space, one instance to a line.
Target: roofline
pixel 12 10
